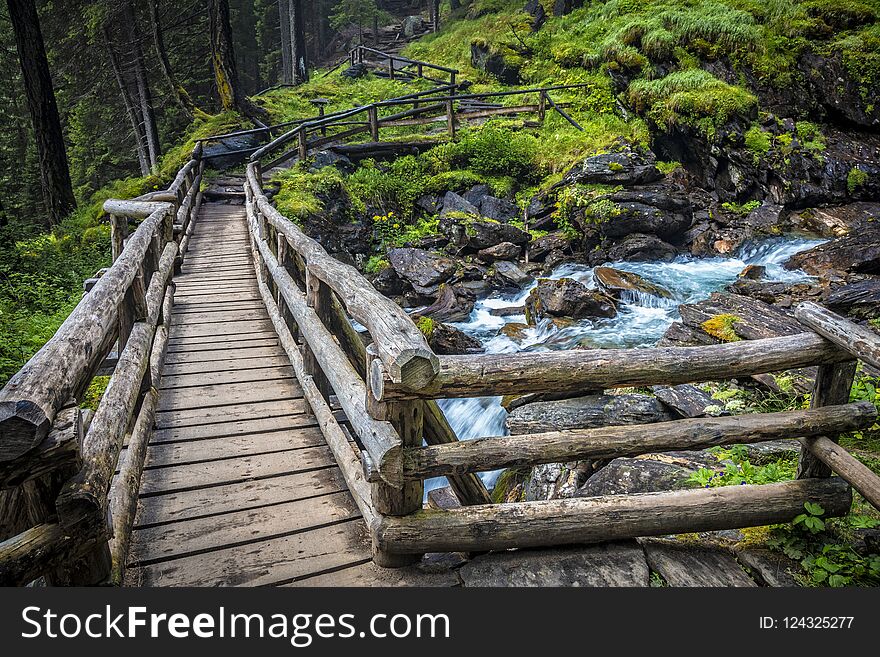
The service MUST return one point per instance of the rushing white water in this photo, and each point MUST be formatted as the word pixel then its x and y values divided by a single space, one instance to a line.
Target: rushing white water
pixel 642 319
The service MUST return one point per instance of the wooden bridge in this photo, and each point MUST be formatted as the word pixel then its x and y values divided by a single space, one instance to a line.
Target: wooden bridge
pixel 251 435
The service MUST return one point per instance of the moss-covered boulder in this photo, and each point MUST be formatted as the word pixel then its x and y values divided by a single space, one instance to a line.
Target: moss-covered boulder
pixel 568 298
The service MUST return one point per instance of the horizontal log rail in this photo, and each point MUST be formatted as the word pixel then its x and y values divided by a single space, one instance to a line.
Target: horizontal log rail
pixel 483 454
pixel 593 369
pixel 607 518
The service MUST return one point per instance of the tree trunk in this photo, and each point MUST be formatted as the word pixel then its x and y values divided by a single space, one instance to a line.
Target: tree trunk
pixel 298 43
pixel 225 70
pixel 130 108
pixel 180 94
pixel 54 170
pixel 145 96
pixel 286 60
pixel 244 29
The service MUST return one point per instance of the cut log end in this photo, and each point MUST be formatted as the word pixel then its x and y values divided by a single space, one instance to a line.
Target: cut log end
pixel 414 369
pixel 23 426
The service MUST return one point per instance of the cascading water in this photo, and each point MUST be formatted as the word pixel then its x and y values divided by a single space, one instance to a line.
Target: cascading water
pixel 642 319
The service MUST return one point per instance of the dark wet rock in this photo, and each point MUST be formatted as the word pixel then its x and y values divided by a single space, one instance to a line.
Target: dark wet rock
pixel 430 242
pixel 625 168
pixel 609 564
pixel 859 252
pixel 835 88
pixel 536 10
pixel 514 330
pixel 222 153
pixel 508 311
pixel 456 203
pixel 473 233
pixel 773 450
pixel 540 247
pixel 429 204
pixel 454 303
pixel 323 159
pixel 587 412
pixel 476 194
pixel 502 251
pixel 358 70
pixel 766 291
pixel 653 211
pixel 639 247
pixel 753 272
pixel 333 227
pixel 752 319
pixel 494 63
pixel 448 340
pixel 861 299
pixel 615 282
pixel 566 297
pixel 387 282
pixel 510 273
pixel 556 258
pixel 836 221
pixel 424 271
pixel 498 208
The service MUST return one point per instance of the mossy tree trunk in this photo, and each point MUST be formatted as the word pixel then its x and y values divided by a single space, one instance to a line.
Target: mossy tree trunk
pixel 184 100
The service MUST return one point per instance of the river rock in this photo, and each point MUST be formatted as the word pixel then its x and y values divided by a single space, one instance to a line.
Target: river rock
pixel 510 273
pixel 587 412
pixel 625 168
pixel 566 297
pixel 456 203
pixel 683 564
pixel 498 209
pixel 540 247
pixel 615 281
pixel 502 251
pixel 624 476
pixel 753 272
pixel 640 247
pixel 424 271
pixel 448 340
pixel 859 252
pixel 609 564
pixel 754 319
pixel 653 210
pixel 474 233
pixel 836 221
pixel 454 303
pixel 685 400
pixel 387 282
pixel 514 330
pixel 861 299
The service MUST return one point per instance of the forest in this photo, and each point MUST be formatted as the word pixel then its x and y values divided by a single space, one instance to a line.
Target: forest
pixel 524 180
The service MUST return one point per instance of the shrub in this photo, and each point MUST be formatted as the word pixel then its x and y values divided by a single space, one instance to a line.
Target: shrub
pixel 855 178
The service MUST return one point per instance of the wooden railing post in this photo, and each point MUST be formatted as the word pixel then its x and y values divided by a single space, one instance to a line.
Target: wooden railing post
pixel 450 118
pixel 303 144
pixel 317 297
pixel 542 105
pixel 832 387
pixel 407 418
pixel 373 117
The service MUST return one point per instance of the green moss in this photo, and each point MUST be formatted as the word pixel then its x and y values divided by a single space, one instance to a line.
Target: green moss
pixel 722 327
pixel 426 325
pixel 855 179
pixel 668 167
pixel 758 141
pixel 95 392
pixel 298 196
pixel 375 264
pixel 742 209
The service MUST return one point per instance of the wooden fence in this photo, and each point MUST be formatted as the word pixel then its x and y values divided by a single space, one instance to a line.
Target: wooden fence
pixel 69 480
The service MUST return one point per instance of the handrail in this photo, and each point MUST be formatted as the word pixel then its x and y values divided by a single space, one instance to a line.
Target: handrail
pixel 401 58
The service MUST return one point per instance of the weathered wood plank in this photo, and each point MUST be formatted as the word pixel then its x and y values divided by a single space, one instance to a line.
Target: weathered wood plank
pixel 195 347
pixel 241 496
pixel 274 561
pixel 245 468
pixel 237 412
pixel 228 394
pixel 218 428
pixel 239 528
pixel 226 365
pixel 171 382
pixel 194 359
pixel 215 449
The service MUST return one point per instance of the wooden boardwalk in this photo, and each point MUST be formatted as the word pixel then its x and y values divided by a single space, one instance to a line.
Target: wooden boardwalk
pixel 239 486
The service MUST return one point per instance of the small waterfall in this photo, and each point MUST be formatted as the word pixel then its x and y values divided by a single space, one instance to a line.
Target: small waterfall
pixel 642 318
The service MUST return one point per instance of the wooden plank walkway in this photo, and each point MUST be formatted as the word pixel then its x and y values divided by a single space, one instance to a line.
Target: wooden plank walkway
pixel 239 487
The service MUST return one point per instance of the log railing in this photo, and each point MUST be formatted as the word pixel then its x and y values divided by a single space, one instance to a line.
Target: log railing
pixel 398 66
pixel 399 437
pixel 68 486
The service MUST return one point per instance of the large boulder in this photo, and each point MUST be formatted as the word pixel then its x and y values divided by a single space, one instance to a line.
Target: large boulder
pixel 456 203
pixel 541 247
pixel 473 233
pixel 624 168
pixel 854 253
pixel 502 251
pixel 587 412
pixel 424 271
pixel 648 211
pixel 639 247
pixel 615 282
pixel 861 299
pixel 652 473
pixel 498 209
pixel 448 340
pixel 509 273
pixel 566 297
pixel 413 25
